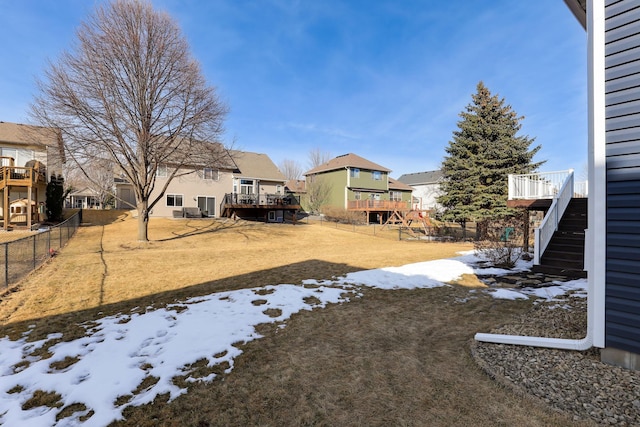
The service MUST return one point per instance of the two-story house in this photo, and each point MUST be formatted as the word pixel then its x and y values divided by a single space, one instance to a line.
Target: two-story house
pixel 240 184
pixel 258 190
pixel 29 155
pixel 357 184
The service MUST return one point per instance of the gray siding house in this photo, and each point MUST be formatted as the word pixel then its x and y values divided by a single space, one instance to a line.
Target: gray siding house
pixel 612 252
pixel 426 188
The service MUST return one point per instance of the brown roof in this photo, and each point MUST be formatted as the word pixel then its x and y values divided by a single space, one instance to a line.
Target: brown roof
pixel 257 166
pixel 347 161
pixel 394 184
pixel 19 134
pixel 296 186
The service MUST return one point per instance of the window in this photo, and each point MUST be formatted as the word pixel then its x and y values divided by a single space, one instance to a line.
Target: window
pixel 246 186
pixel 278 189
pixel 355 172
pixel 395 196
pixel 210 173
pixel 357 195
pixel 377 175
pixel 162 172
pixel 174 200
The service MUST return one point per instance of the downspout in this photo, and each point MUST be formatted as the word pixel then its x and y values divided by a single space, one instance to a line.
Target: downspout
pixel 595 235
pixel 346 189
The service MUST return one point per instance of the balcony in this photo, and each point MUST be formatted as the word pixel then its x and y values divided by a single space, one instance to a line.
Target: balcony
pixel 19 176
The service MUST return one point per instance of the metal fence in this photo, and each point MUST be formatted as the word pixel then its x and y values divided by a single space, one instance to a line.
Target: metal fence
pixel 445 232
pixel 20 257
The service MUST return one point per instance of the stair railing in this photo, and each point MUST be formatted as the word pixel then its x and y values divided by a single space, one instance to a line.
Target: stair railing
pixel 549 225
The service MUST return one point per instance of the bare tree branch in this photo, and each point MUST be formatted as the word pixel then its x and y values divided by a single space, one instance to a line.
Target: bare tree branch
pixel 131 91
pixel 318 157
pixel 291 169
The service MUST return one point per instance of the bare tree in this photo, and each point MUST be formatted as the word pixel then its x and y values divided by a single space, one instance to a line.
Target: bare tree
pixel 130 90
pixel 99 176
pixel 291 169
pixel 318 191
pixel 318 157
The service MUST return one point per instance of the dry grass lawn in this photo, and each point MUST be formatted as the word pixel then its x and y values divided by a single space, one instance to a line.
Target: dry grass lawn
pixel 387 358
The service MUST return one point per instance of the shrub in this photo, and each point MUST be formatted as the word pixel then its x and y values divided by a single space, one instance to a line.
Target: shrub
pixel 343 216
pixel 502 243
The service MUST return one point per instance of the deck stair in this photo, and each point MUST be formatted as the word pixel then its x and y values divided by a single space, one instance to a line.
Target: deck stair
pixel 559 240
pixel 564 254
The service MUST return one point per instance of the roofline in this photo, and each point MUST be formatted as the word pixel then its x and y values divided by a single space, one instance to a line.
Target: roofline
pixel 578 11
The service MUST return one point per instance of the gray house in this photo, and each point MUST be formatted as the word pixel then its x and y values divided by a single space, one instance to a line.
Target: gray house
pixel 612 252
pixel 426 188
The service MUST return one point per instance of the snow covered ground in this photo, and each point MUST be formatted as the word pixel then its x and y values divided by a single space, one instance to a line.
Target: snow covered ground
pixel 119 352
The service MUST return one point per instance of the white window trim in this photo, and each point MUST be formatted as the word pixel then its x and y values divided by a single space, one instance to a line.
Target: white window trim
pixel 215 174
pixel 162 171
pixel 166 200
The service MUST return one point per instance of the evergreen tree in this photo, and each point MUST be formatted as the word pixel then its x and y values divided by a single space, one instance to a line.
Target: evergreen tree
pixel 484 151
pixel 55 198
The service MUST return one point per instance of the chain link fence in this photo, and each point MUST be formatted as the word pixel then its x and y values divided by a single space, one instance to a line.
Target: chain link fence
pixel 444 232
pixel 20 257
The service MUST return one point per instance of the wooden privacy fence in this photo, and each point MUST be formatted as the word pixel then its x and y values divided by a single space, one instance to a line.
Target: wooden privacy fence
pixel 20 257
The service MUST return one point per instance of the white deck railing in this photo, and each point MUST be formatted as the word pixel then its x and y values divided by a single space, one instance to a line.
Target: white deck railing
pixel 537 185
pixel 543 185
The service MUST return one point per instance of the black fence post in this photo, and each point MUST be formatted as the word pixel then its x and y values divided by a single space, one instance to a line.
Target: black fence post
pixel 6 265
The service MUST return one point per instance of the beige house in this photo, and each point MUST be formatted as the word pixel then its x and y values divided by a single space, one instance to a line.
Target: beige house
pixel 245 184
pixel 258 190
pixel 29 155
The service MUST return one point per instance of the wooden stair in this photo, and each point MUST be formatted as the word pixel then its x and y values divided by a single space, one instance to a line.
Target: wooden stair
pixel 565 253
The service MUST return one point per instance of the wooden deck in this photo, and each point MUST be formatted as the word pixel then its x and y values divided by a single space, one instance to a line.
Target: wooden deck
pixel 257 205
pixel 14 176
pixel 378 205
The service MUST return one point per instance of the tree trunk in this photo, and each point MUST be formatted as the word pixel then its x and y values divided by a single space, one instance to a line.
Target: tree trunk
pixel 525 228
pixel 143 222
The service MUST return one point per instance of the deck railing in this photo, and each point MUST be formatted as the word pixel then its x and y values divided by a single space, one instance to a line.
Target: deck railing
pixel 387 205
pixel 542 185
pixel 262 199
pixel 17 175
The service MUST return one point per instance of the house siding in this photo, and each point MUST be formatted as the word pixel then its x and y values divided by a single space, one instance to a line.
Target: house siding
pixel 337 180
pixel 622 294
pixel 190 187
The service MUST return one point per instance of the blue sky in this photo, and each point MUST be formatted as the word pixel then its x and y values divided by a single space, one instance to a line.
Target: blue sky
pixel 384 79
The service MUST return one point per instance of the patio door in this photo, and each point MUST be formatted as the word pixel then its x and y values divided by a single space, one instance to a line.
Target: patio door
pixel 208 205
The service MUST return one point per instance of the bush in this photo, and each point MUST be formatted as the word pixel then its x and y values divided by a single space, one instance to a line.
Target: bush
pixel 343 216
pixel 502 244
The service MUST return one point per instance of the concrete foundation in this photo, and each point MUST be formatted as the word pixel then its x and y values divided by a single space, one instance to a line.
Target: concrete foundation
pixel 622 358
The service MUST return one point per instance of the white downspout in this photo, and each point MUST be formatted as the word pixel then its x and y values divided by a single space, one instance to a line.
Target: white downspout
pixel 595 236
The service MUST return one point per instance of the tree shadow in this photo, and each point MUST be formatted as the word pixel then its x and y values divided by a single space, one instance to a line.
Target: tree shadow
pixel 70 324
pixel 208 226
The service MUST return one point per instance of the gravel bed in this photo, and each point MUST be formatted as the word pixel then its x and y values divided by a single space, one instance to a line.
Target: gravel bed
pixel 574 382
